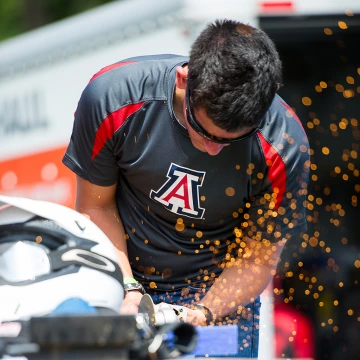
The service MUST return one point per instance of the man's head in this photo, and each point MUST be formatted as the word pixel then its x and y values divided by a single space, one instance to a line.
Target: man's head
pixel 233 73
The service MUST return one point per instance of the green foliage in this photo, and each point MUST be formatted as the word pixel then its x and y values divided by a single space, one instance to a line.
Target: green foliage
pixel 11 18
pixel 19 16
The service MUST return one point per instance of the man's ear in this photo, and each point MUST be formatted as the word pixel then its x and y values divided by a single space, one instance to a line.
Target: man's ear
pixel 181 77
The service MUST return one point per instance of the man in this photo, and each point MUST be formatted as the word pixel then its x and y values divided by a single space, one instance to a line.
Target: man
pixel 196 170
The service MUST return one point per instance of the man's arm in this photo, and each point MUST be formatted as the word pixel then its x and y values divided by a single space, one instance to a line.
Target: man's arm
pixel 244 278
pixel 99 203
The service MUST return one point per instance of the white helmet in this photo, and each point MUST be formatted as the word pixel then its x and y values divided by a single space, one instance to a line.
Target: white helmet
pixel 50 253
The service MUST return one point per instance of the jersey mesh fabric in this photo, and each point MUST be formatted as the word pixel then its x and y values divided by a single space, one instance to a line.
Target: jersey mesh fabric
pixel 183 209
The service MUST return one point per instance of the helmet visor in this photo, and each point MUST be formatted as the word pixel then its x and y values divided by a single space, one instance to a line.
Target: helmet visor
pixel 23 261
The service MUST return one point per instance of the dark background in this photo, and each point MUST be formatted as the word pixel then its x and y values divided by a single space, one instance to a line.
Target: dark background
pixel 325 266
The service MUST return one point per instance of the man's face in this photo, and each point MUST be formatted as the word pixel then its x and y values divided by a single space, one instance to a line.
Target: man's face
pixel 204 134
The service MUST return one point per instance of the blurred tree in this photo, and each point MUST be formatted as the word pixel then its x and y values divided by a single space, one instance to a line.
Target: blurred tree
pixel 11 18
pixel 18 16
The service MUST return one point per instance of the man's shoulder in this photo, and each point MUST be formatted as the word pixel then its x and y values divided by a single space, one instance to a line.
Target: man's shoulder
pixel 282 134
pixel 142 78
pixel 140 65
pixel 281 123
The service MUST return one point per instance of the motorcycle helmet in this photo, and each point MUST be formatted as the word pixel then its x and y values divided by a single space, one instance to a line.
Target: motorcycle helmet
pixel 50 253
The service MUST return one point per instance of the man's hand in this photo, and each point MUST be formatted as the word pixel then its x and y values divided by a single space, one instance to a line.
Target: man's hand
pixel 167 314
pixel 196 317
pixel 130 305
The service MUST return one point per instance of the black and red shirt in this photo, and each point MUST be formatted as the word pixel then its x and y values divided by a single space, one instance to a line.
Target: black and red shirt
pixel 183 209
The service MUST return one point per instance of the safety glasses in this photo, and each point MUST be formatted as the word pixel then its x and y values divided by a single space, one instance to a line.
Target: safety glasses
pixel 202 132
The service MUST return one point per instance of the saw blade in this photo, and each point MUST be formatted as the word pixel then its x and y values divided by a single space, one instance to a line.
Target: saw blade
pixel 147 308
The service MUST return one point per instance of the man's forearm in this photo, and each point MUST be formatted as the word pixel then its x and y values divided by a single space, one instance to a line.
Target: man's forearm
pixel 240 283
pixel 109 222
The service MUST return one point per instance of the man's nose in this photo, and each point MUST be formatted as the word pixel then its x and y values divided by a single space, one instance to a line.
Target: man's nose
pixel 213 148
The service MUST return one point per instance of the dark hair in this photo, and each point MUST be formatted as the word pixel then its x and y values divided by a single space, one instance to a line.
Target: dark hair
pixel 234 72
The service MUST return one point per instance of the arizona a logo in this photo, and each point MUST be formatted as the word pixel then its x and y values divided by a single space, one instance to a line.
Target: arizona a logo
pixel 180 193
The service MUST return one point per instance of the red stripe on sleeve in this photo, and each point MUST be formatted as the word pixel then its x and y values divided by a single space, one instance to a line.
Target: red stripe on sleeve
pixel 110 67
pixel 277 171
pixel 111 124
pixel 292 112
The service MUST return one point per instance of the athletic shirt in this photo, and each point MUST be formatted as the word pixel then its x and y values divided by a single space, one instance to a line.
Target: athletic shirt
pixel 185 211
